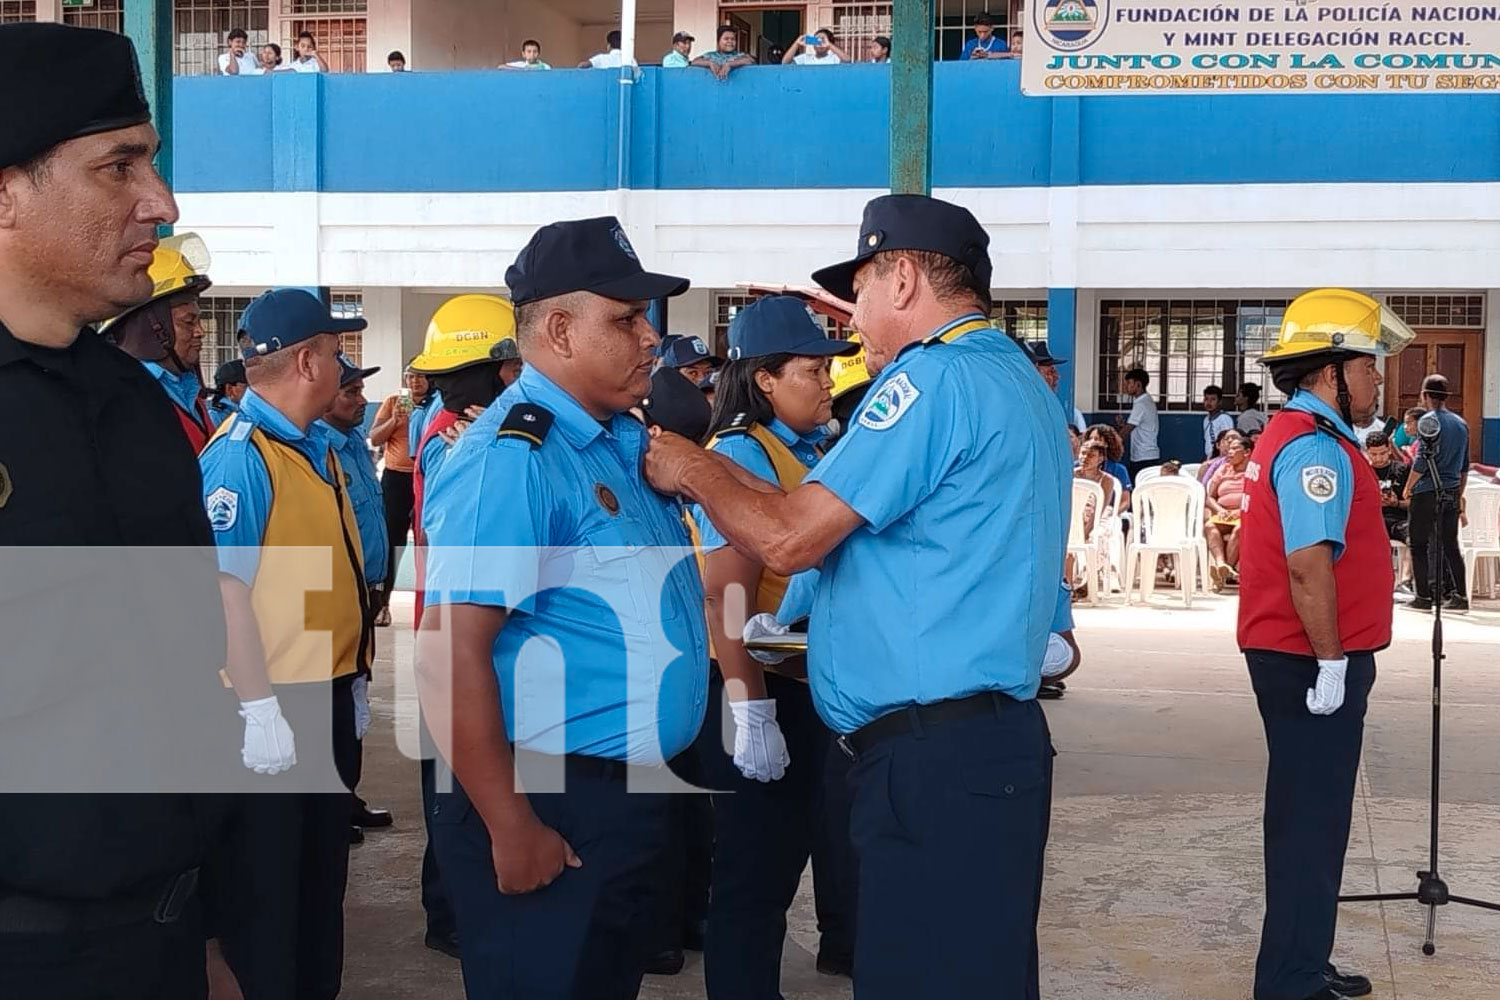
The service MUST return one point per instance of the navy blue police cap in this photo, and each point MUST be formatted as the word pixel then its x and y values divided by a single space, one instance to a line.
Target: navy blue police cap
pixel 1041 356
pixel 913 222
pixel 230 373
pixel 63 83
pixel 684 351
pixel 586 255
pixel 350 372
pixel 284 317
pixel 782 324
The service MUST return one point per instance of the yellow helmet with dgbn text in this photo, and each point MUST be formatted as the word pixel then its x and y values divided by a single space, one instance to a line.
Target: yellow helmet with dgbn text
pixel 1333 322
pixel 179 264
pixel 849 372
pixel 468 330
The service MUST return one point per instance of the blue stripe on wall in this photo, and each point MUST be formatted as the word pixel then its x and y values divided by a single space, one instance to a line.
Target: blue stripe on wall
pixel 794 127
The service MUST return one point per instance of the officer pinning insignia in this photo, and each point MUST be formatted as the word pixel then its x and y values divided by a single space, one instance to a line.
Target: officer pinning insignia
pixel 1320 483
pixel 607 499
pixel 528 422
pixel 6 487
pixel 223 506
pixel 890 403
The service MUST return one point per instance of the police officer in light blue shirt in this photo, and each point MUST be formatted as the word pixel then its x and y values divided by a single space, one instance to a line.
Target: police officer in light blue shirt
pixel 229 389
pixel 559 636
pixel 940 520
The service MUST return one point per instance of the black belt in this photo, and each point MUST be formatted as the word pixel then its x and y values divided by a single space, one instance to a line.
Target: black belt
pixel 904 720
pixel 23 914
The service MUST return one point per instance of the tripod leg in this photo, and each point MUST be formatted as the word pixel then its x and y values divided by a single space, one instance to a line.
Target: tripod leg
pixel 1429 947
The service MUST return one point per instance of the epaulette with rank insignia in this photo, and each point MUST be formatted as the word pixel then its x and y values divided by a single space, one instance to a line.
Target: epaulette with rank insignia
pixel 739 426
pixel 1327 426
pixel 528 422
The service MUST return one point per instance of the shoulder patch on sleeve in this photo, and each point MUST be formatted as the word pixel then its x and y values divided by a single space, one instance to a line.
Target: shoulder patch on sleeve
pixel 526 421
pixel 1320 483
pixel 738 426
pixel 223 506
pixel 890 403
pixel 241 430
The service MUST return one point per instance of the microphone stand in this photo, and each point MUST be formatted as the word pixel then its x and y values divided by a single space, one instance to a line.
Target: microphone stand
pixel 1432 892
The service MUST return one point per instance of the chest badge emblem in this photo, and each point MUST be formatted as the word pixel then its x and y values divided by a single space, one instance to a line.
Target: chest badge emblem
pixel 607 499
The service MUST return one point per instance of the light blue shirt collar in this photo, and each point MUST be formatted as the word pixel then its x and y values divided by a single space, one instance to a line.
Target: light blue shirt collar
pixel 272 420
pixel 791 438
pixel 183 388
pixel 1307 402
pixel 336 438
pixel 946 327
pixel 568 414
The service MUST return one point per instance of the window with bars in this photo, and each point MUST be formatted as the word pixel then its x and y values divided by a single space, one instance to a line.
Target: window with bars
pixel 108 15
pixel 342 41
pixel 306 8
pixel 15 11
pixel 727 304
pixel 221 323
pixel 1186 345
pixel 348 304
pixel 1022 319
pixel 1441 311
pixel 201 29
pixel 857 24
pixel 955 24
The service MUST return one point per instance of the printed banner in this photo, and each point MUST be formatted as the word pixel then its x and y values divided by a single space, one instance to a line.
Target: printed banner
pixel 1279 46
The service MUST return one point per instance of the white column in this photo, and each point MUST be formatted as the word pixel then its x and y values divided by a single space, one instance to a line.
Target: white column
pixel 49 10
pixel 382 343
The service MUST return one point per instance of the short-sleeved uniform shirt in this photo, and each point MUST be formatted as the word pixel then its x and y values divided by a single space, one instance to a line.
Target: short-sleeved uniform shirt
pixel 749 455
pixel 182 389
pixel 950 587
pixel 1305 520
pixel 237 486
pixel 363 487
pixel 605 650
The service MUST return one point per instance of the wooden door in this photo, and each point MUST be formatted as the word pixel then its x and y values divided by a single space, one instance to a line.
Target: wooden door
pixel 1457 354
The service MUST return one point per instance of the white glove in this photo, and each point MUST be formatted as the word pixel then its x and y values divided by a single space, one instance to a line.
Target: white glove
pixel 269 746
pixel 1058 658
pixel 1327 695
pixel 361 706
pixel 759 748
pixel 765 626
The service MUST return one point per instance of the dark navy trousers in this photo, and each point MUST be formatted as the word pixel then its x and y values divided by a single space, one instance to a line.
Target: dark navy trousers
pixel 950 823
pixel 1314 761
pixel 588 935
pixel 764 833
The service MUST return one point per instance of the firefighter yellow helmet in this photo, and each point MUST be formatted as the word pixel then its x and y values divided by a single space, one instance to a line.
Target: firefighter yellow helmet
pixel 468 330
pixel 1334 322
pixel 849 372
pixel 180 264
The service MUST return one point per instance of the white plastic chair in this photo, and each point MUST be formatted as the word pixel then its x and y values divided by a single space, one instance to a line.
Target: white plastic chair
pixel 1147 474
pixel 1080 546
pixel 1480 540
pixel 1191 471
pixel 1168 522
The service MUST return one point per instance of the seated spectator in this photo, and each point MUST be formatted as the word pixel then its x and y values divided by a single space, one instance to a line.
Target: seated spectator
pixel 611 58
pixel 1100 528
pixel 1114 452
pixel 396 61
pixel 1407 439
pixel 984 44
pixel 1075 441
pixel 825 53
pixel 1225 498
pixel 531 56
pixel 1250 440
pixel 1251 419
pixel 878 49
pixel 1392 474
pixel 726 55
pixel 270 57
pixel 681 55
pixel 307 59
pixel 1016 37
pixel 1221 447
pixel 235 61
pixel 1171 467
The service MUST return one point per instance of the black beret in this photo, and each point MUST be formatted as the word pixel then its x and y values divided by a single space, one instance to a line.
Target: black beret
pixel 62 83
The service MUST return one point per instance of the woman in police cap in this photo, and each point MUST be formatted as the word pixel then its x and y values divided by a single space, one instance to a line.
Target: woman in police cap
pixel 774 398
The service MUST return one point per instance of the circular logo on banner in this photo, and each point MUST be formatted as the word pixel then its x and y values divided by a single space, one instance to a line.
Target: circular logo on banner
pixel 1071 25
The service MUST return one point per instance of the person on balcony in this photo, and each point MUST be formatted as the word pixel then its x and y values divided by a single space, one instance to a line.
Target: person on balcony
pixel 726 56
pixel 531 57
pixel 681 56
pixel 985 44
pixel 824 52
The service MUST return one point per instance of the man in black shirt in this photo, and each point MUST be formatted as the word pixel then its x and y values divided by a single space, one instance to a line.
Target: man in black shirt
pixel 109 620
pixel 1392 473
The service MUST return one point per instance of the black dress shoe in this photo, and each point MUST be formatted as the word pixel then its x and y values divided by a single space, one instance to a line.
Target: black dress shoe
pixel 1455 603
pixel 666 963
pixel 830 964
pixel 1420 604
pixel 371 818
pixel 1049 692
pixel 1347 985
pixel 445 943
pixel 356 835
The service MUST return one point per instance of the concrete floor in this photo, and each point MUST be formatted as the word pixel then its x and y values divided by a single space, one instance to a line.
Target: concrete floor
pixel 1153 879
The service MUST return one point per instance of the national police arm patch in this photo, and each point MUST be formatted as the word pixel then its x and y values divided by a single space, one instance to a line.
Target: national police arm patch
pixel 1320 483
pixel 223 506
pixel 890 403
